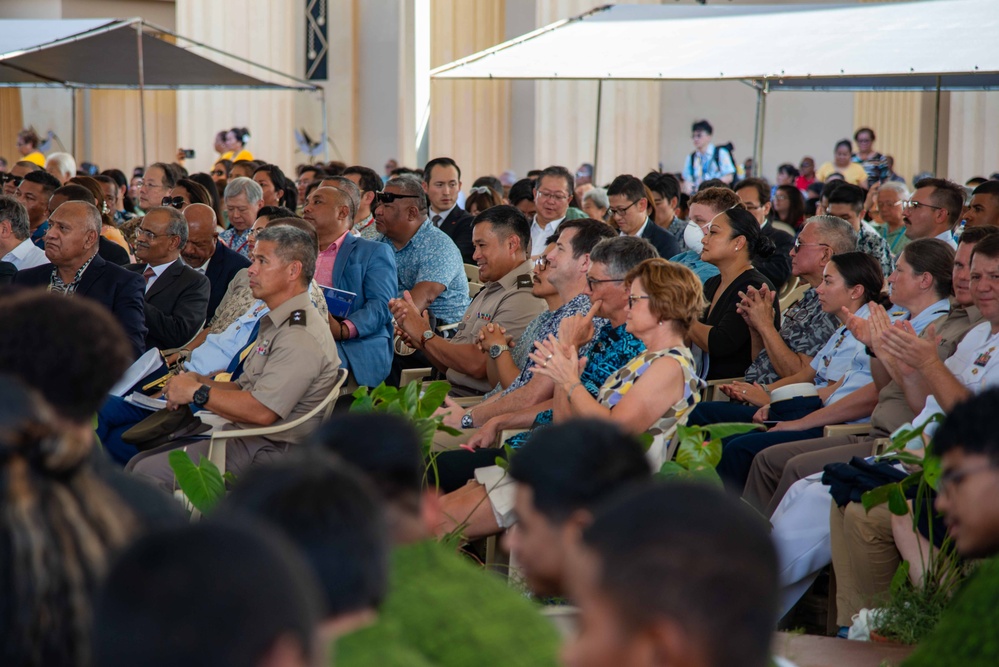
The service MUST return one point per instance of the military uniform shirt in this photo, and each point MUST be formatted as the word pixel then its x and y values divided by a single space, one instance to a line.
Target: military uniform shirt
pixel 507 302
pixel 292 365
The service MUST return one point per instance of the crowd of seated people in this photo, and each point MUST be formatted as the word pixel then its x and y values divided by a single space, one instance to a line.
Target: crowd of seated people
pixel 579 325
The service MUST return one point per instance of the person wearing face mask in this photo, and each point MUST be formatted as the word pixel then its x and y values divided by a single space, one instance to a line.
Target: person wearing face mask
pixel 703 207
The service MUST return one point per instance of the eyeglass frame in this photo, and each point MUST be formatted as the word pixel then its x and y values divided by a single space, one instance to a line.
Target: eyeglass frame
pixel 542 263
pixel 632 298
pixel 590 282
pixel 914 205
pixel 614 212
pixel 798 245
pixel 555 196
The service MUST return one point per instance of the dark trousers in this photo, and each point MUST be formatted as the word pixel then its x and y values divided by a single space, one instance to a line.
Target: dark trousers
pixel 452 469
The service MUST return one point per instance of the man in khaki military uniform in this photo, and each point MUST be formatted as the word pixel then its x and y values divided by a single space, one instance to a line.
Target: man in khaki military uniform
pixel 501 237
pixel 288 371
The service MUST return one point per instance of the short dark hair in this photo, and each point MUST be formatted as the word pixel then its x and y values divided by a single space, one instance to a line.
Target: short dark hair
pixel 788 169
pixel 577 465
pixel 85 349
pixel 75 192
pixel 844 143
pixel 760 185
pixel 973 235
pixel 629 186
pixel 48 182
pixel 170 174
pixel 260 591
pixel 370 181
pixel 826 189
pixel 850 194
pixel 969 426
pixel 389 453
pixel 439 162
pixel 589 233
pixel 702 126
pixel 556 171
pixel 988 246
pixel 521 190
pixel 489 182
pixel 987 188
pixel 856 135
pixel 275 212
pixel 506 221
pixel 934 257
pixel 331 513
pixel 859 268
pixel 666 186
pixel 690 553
pixel 293 244
pixel 948 195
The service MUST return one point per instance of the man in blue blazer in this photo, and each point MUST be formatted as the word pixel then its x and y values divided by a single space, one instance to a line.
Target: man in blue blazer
pixel 205 253
pixel 629 208
pixel 366 268
pixel 77 269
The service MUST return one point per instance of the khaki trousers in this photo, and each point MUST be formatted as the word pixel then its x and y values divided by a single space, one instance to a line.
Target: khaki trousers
pixel 864 558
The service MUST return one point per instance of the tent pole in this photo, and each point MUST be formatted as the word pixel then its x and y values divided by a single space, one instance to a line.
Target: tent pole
pixel 326 127
pixel 72 113
pixel 596 140
pixel 761 118
pixel 936 133
pixel 142 91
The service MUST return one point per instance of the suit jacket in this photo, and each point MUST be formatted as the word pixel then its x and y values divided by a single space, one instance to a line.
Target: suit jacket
pixel 175 305
pixel 111 251
pixel 119 290
pixel 776 267
pixel 458 226
pixel 222 268
pixel 663 241
pixel 367 268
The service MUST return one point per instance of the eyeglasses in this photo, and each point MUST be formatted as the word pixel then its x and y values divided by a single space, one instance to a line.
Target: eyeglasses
pixel 596 281
pixel 389 197
pixel 148 235
pixel 632 298
pixel 951 479
pixel 912 204
pixel 541 263
pixel 620 211
pixel 556 196
pixel 11 178
pixel 252 234
pixel 150 186
pixel 798 245
pixel 177 202
pixel 781 197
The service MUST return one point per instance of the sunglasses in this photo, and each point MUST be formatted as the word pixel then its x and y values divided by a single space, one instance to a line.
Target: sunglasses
pixel 389 197
pixel 177 202
pixel 10 178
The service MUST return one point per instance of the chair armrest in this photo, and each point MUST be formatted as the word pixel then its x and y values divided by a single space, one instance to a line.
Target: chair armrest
pixel 846 429
pixel 409 374
pixel 712 391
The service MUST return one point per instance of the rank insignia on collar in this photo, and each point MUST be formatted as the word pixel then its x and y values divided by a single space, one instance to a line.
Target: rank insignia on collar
pixel 298 317
pixel 524 281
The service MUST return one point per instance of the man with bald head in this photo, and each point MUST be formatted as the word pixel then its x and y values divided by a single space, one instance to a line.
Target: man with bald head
pixel 75 269
pixel 209 256
pixel 364 268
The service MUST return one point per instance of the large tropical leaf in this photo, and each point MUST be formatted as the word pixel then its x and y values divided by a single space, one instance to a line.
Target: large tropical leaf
pixel 202 483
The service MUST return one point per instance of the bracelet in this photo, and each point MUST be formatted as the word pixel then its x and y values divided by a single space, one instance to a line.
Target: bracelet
pixel 765 388
pixel 572 389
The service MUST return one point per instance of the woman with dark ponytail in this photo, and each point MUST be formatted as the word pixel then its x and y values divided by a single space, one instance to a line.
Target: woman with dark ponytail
pixel 731 243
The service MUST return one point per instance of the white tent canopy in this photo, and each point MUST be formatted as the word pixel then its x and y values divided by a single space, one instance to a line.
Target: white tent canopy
pixel 894 46
pixel 928 45
pixel 122 54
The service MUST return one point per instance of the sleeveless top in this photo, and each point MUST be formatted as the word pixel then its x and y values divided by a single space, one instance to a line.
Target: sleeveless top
pixel 662 430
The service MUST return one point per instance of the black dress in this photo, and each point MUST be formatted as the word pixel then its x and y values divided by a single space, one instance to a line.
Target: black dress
pixel 730 347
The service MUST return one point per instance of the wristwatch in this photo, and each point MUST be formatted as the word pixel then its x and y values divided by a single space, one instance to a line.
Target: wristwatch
pixel 466 420
pixel 496 350
pixel 427 335
pixel 201 395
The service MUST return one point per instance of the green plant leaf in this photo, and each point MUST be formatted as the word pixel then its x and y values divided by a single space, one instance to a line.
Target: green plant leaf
pixel 645 440
pixel 900 579
pixel 384 394
pixel 932 471
pixel 202 483
pixel 426 429
pixel 409 397
pixel 502 463
pixel 707 474
pixel 896 500
pixel 874 497
pixel 692 453
pixel 433 397
pixel 672 470
pixel 362 402
pixel 444 428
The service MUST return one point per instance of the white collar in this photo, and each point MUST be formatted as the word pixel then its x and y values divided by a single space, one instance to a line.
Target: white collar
pixel 551 226
pixel 442 214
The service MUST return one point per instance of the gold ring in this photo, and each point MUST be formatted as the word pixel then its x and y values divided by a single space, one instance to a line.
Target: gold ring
pixel 544 365
pixel 744 391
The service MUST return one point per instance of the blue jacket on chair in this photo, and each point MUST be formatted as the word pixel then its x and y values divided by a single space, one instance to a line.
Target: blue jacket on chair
pixel 367 268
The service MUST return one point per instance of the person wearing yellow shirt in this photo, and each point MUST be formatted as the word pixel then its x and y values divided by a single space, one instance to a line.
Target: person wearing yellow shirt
pixel 842 164
pixel 27 145
pixel 235 139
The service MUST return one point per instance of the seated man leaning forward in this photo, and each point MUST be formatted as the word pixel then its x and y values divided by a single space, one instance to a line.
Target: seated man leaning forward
pixel 289 372
pixel 500 236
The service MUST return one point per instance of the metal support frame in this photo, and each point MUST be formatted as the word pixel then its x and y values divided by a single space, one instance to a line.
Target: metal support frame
pixel 762 90
pixel 142 90
pixel 326 130
pixel 596 140
pixel 936 132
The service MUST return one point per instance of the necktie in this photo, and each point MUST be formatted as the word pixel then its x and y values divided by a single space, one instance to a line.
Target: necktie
pixel 235 368
pixel 436 220
pixel 148 273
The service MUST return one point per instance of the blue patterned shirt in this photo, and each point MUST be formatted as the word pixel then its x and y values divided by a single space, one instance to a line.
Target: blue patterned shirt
pixel 712 163
pixel 578 305
pixel 612 349
pixel 431 256
pixel 237 241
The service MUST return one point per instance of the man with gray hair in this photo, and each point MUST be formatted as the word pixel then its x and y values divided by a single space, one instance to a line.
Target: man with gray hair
pixel 176 295
pixel 62 166
pixel 805 328
pixel 75 268
pixel 889 198
pixel 290 370
pixel 243 200
pixel 15 231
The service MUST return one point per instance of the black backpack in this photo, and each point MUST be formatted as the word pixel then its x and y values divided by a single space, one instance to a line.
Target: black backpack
pixel 714 158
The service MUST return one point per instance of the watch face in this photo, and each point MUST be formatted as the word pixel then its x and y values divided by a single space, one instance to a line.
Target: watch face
pixel 495 351
pixel 428 334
